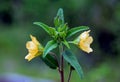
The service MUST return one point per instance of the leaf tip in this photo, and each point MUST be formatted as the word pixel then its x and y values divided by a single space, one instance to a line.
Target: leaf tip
pixel 60 10
pixel 34 22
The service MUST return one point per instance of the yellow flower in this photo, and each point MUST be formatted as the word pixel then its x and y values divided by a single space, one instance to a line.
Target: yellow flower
pixel 34 48
pixel 84 41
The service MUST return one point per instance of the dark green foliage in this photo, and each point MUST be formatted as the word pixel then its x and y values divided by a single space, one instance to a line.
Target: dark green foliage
pixel 72 60
pixel 49 46
pixel 75 30
pixel 44 26
pixel 51 60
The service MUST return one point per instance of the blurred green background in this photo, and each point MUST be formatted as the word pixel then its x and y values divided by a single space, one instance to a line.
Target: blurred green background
pixel 16 24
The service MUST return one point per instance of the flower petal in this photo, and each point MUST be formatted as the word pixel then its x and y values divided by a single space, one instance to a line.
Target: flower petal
pixel 85 41
pixel 34 48
pixel 30 45
pixel 34 40
pixel 84 34
pixel 29 57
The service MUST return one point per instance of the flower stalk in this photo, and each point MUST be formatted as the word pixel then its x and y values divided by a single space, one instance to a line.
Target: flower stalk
pixel 61 67
pixel 70 73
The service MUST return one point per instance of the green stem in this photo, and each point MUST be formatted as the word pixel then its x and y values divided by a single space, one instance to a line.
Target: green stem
pixel 70 74
pixel 61 68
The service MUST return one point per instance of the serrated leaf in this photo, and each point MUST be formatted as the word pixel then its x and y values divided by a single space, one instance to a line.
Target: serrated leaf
pixel 76 30
pixel 70 58
pixel 50 61
pixel 49 46
pixel 44 26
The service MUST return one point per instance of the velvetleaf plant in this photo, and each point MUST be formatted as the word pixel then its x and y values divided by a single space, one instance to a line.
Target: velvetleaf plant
pixel 60 34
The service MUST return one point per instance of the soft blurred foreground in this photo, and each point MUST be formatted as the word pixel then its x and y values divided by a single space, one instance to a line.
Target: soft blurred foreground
pixel 16 24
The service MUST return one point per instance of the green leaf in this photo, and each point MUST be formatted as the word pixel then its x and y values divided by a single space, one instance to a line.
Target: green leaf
pixel 49 46
pixel 62 35
pixel 63 27
pixel 44 26
pixel 60 15
pixel 66 44
pixel 50 61
pixel 70 58
pixel 76 30
pixel 53 32
pixel 59 19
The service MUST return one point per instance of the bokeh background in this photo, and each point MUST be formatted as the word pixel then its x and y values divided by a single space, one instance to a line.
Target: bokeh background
pixel 16 24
